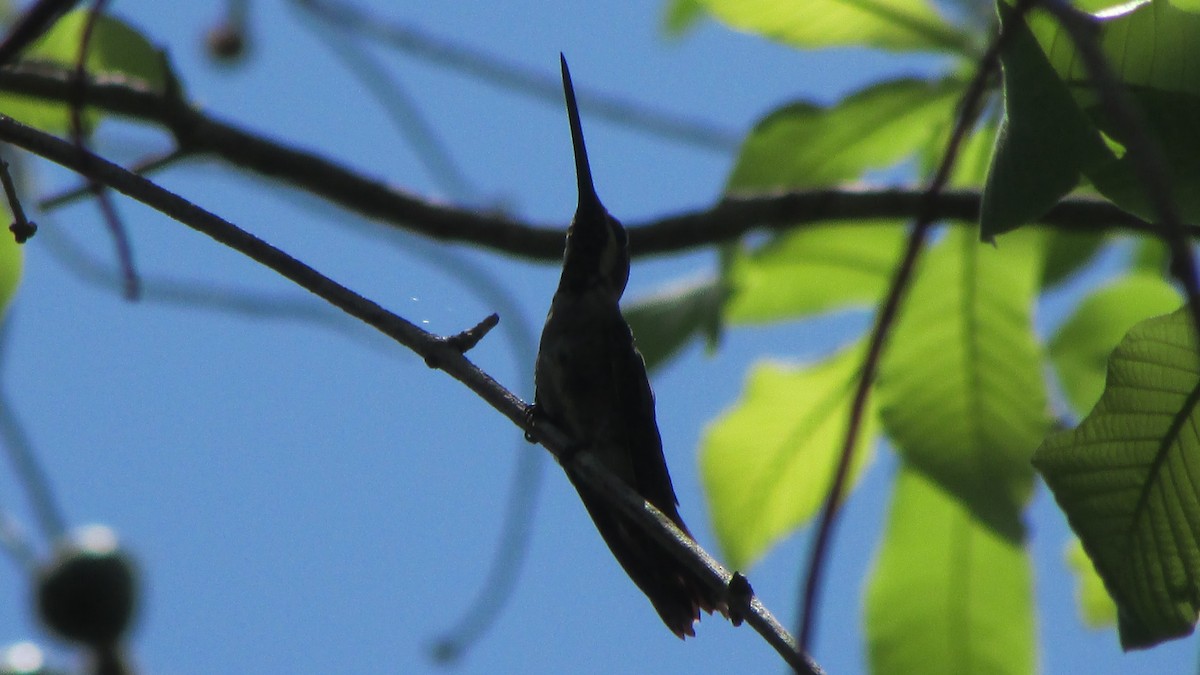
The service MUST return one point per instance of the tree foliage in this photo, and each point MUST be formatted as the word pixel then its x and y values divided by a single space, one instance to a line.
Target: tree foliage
pixel 969 394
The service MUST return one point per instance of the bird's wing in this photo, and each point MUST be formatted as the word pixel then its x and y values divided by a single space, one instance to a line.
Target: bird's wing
pixel 636 403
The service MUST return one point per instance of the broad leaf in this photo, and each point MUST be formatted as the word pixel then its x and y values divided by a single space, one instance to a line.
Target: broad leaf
pixel 767 462
pixel 1067 253
pixel 960 388
pixel 804 145
pixel 898 25
pixel 1045 140
pixel 1153 48
pixel 1081 347
pixel 821 268
pixel 1128 479
pixel 666 321
pixel 1096 607
pixel 813 270
pixel 1151 256
pixel 948 594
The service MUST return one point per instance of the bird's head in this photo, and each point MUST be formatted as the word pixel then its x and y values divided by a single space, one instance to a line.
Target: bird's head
pixel 597 246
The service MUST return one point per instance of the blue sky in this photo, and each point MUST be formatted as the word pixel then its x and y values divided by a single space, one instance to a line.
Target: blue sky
pixel 303 496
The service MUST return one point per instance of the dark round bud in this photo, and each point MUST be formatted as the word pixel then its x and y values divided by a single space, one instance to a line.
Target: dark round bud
pixel 87 593
pixel 226 42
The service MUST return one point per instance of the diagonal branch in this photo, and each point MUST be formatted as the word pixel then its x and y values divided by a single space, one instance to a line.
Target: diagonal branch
pixel 438 352
pixel 199 133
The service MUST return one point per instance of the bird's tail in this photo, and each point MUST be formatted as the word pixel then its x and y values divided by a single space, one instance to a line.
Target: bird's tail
pixel 677 593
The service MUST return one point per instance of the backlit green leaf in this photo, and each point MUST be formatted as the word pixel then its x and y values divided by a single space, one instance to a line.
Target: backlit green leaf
pixel 898 25
pixel 1082 345
pixel 1067 253
pixel 948 594
pixel 813 270
pixel 664 322
pixel 1128 479
pixel 960 389
pixel 766 463
pixel 803 145
pixel 821 268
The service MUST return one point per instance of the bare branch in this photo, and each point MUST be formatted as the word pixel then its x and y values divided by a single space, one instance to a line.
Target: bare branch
pixel 466 340
pixel 131 284
pixel 21 227
pixel 730 218
pixel 144 166
pixel 438 352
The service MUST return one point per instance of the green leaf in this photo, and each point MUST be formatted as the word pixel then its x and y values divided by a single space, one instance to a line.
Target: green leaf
pixel 960 388
pixel 803 145
pixel 813 270
pixel 681 16
pixel 820 268
pixel 948 594
pixel 12 260
pixel 1096 607
pixel 1128 479
pixel 896 25
pixel 115 49
pixel 1081 347
pixel 1045 140
pixel 664 322
pixel 767 462
pixel 1153 48
pixel 1067 253
pixel 1151 256
pixel 974 158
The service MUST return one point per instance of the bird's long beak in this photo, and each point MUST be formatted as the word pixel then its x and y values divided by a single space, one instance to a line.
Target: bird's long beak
pixel 588 199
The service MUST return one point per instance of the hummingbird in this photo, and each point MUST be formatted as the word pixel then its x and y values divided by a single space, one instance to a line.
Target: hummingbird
pixel 591 383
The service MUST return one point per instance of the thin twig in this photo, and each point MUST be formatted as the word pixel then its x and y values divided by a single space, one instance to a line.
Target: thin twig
pixel 435 350
pixel 144 166
pixel 79 91
pixel 15 542
pixel 404 113
pixel 22 228
pixel 497 70
pixel 27 469
pixel 926 216
pixel 732 217
pixel 29 472
pixel 466 340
